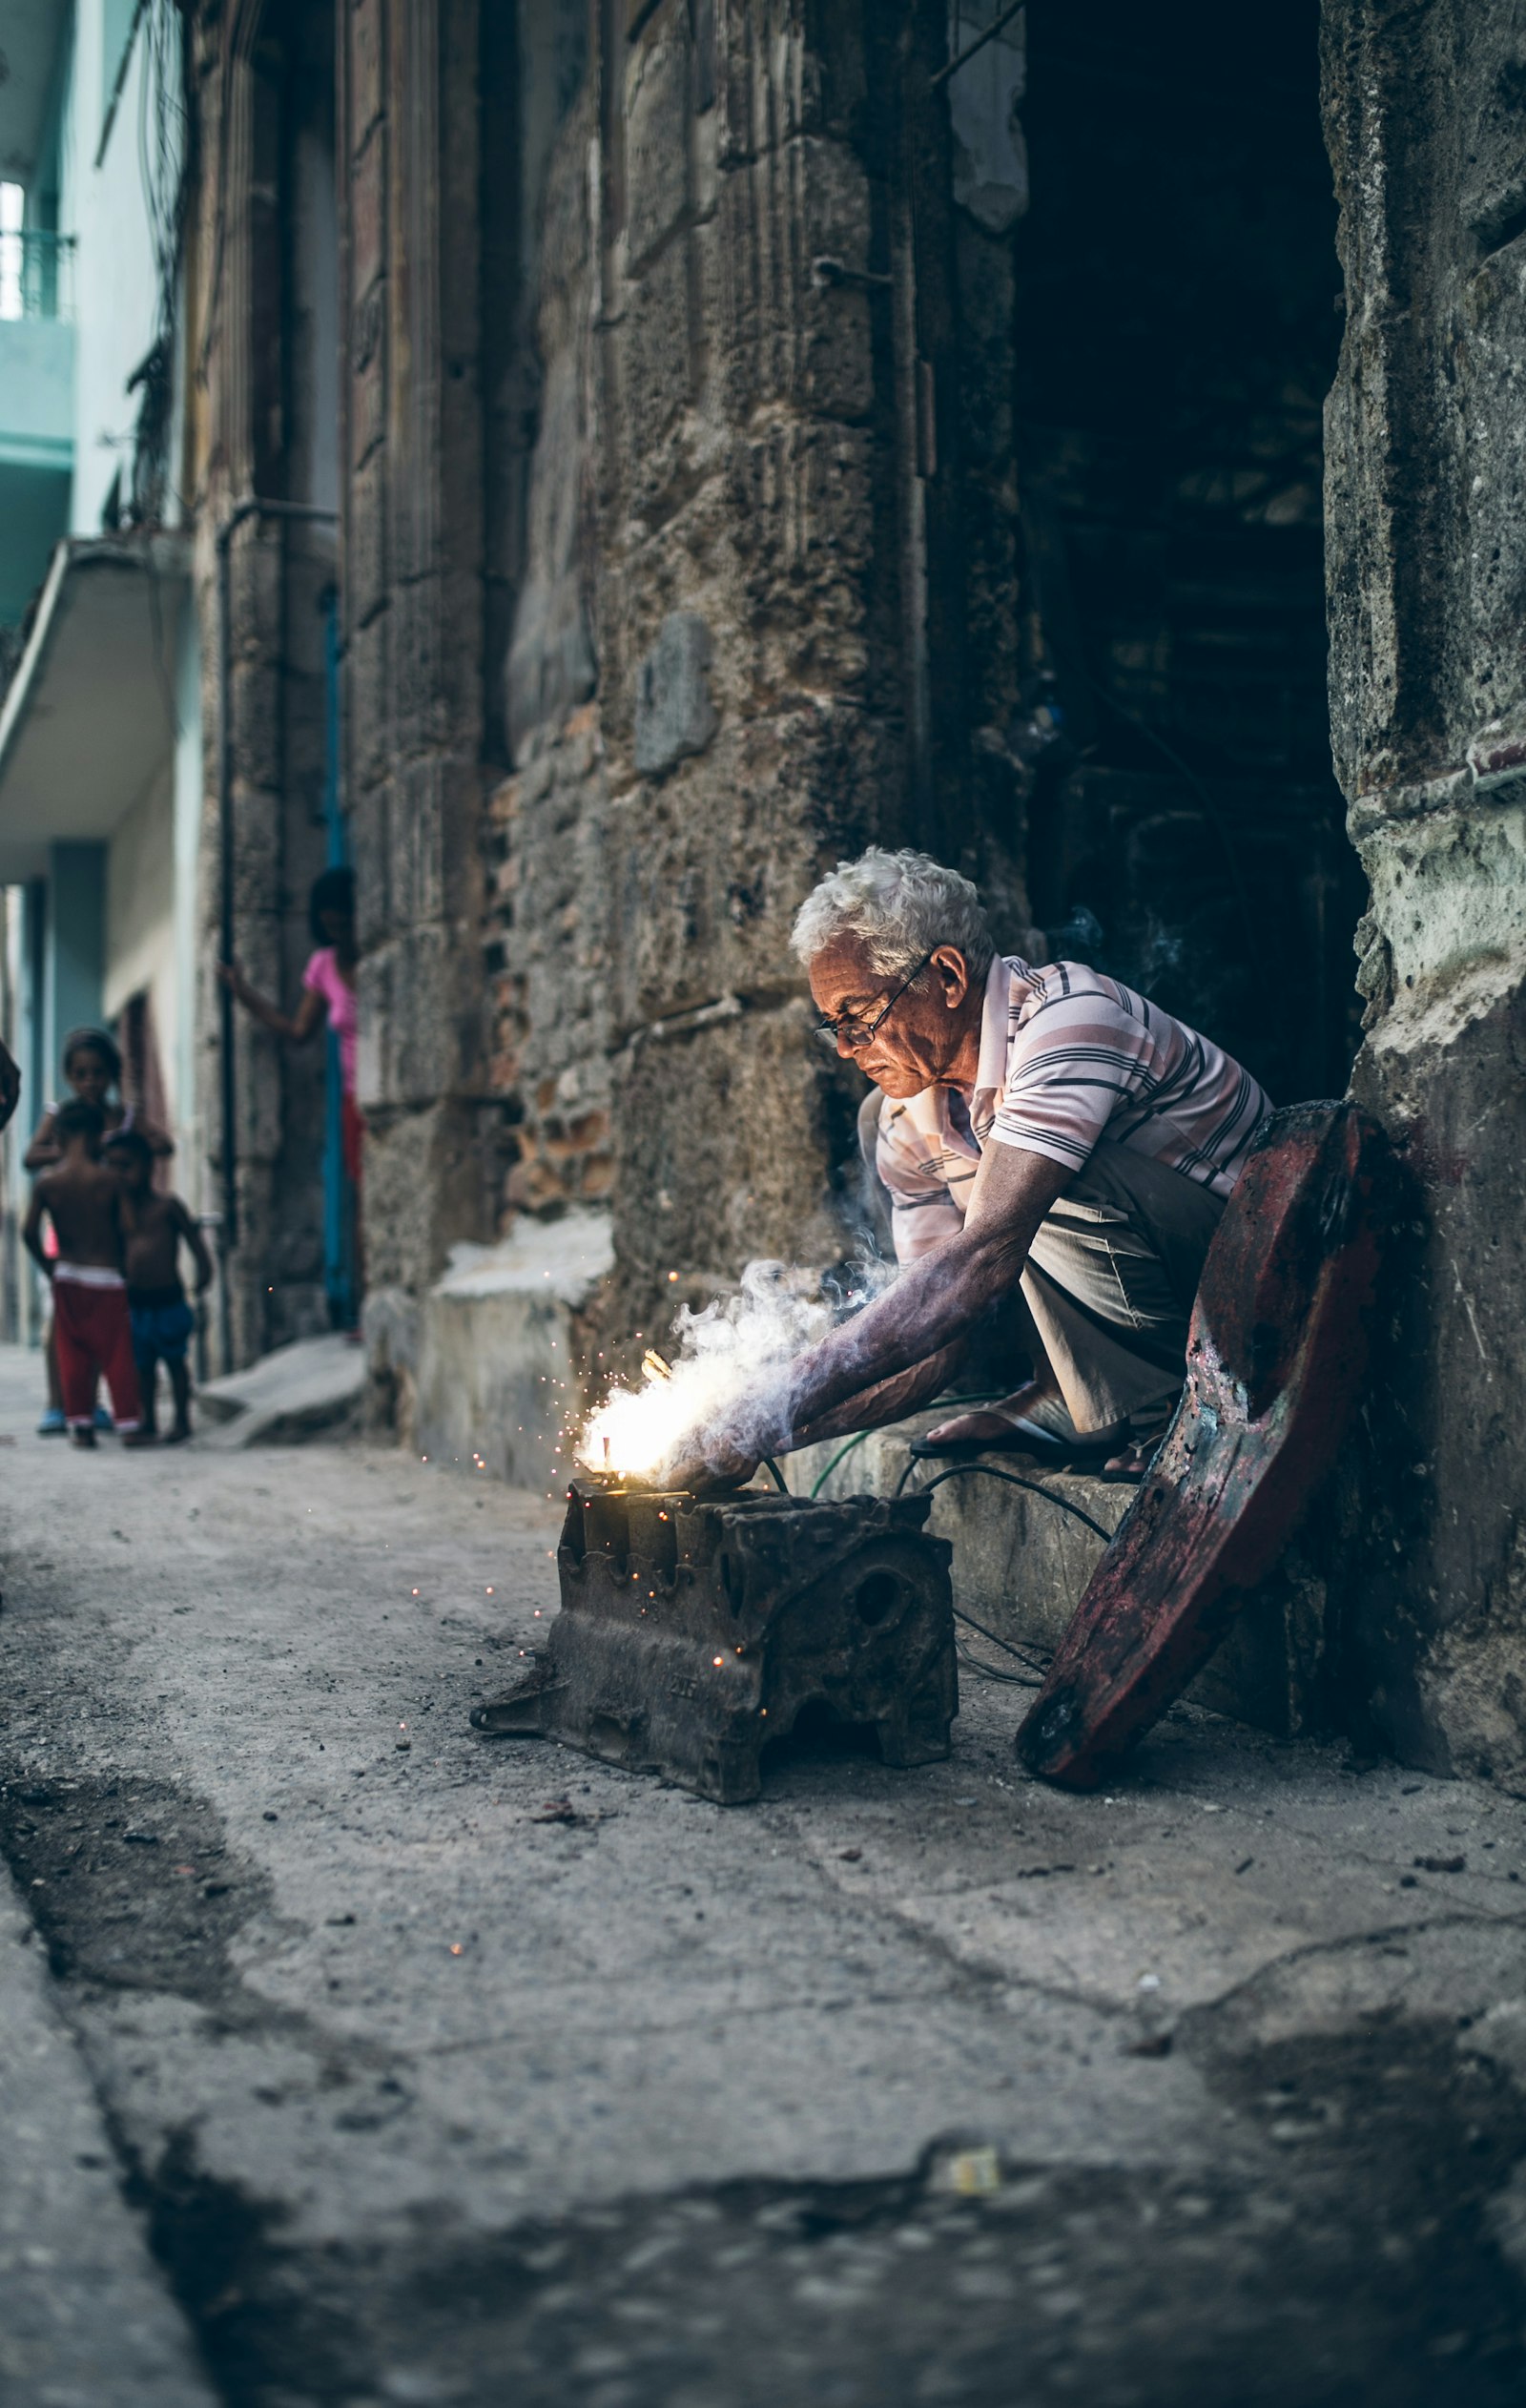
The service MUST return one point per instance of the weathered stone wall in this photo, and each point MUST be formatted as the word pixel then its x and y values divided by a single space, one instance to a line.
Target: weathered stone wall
pixel 741 608
pixel 412 456
pixel 548 906
pixel 688 666
pixel 756 614
pixel 1426 497
pixel 250 432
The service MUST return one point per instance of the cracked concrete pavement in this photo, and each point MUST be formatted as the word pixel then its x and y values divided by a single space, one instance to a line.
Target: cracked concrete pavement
pixel 381 2062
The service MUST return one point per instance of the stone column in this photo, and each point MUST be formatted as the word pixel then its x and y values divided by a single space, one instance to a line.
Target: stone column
pixel 1426 449
pixel 751 717
pixel 412 471
pixel 234 387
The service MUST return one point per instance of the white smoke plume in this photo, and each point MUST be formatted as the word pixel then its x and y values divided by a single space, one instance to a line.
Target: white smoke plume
pixel 731 1376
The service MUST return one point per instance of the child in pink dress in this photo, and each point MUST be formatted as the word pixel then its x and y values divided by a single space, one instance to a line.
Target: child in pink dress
pixel 328 995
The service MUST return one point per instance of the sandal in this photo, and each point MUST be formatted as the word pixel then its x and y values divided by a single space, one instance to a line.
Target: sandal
pixel 1131 1464
pixel 1021 1438
pixel 1047 1432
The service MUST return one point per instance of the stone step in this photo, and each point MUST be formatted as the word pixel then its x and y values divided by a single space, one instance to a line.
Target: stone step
pixel 1022 1558
pixel 293 1394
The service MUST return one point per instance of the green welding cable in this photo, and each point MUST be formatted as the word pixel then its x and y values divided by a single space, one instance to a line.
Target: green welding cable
pixel 822 1477
pixel 825 1474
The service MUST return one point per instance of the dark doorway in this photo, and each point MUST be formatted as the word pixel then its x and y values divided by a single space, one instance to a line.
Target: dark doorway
pixel 1178 329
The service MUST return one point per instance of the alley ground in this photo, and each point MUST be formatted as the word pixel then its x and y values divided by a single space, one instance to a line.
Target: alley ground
pixel 347 2056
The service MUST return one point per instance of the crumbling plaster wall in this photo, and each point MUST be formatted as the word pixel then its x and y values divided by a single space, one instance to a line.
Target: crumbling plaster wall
pixel 1426 505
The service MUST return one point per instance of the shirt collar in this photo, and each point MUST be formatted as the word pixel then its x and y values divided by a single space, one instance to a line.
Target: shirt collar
pixel 929 1111
pixel 991 1070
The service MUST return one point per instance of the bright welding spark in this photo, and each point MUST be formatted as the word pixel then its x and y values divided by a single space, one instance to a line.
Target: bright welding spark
pixel 730 1384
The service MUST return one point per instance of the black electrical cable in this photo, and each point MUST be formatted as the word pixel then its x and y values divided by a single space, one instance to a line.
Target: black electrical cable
pixel 990 1673
pixel 1010 1480
pixel 962 57
pixel 859 1437
pixel 1034 1670
pixel 1020 1655
pixel 780 1480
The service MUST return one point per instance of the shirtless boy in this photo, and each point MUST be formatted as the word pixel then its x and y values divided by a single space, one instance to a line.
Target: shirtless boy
pixel 153 1227
pixel 93 1067
pixel 83 1200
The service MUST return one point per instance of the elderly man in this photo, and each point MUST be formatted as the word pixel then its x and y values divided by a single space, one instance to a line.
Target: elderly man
pixel 1045 1128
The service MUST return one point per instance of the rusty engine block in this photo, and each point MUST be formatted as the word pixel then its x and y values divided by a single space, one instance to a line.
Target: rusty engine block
pixel 693 1631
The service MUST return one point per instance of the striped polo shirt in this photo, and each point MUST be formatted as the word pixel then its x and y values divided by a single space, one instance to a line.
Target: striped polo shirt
pixel 1068 1056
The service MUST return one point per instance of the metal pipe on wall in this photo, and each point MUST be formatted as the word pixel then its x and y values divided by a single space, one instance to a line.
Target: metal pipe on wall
pixel 252 505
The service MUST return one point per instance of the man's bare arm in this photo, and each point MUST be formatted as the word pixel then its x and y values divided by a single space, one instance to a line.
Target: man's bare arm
pixel 889 1401
pixel 939 1299
pixel 932 1305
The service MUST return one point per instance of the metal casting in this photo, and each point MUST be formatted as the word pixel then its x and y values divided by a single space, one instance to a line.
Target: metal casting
pixel 693 1631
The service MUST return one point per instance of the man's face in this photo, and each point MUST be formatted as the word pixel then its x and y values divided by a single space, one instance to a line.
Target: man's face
pixel 915 1042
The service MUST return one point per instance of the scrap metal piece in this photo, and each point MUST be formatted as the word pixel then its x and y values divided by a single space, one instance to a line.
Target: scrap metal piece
pixel 1275 1355
pixel 693 1631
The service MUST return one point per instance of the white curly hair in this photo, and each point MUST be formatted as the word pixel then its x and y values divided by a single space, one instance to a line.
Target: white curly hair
pixel 899 906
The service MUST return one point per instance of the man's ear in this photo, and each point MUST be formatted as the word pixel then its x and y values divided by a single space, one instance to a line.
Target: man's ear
pixel 954 973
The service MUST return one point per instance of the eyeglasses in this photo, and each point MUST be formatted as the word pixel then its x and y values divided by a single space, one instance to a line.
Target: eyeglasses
pixel 846 1028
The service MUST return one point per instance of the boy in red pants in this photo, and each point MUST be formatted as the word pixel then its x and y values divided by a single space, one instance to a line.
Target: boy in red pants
pixel 95 1336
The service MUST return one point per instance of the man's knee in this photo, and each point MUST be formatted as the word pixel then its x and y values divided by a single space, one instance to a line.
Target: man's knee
pixel 1124 1205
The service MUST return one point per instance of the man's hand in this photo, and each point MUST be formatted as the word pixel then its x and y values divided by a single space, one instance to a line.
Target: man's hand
pixel 722 1465
pixel 10 1086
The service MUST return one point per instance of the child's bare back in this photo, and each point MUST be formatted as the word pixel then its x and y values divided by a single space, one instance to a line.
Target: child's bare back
pixel 83 1202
